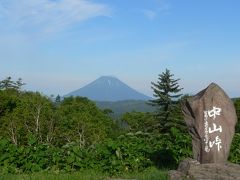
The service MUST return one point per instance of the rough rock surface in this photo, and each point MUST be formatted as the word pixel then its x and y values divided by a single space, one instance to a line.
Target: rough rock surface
pixel 211 117
pixel 192 169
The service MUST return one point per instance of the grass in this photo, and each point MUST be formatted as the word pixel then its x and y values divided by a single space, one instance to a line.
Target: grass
pixel 150 174
pixel 91 175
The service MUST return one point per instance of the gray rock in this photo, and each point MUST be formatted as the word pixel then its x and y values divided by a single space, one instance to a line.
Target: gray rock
pixel 191 169
pixel 175 175
pixel 211 117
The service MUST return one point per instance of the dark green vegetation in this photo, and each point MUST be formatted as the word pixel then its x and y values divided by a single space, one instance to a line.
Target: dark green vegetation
pixel 73 136
pixel 121 107
pixel 166 92
pixel 237 106
pixel 149 174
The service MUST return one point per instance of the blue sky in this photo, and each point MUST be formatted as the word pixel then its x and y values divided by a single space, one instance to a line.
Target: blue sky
pixel 58 46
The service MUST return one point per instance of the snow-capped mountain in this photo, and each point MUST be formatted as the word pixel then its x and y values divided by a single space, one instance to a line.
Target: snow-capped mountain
pixel 108 88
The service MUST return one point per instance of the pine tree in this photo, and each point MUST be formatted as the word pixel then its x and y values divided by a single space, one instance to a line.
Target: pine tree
pixel 58 99
pixel 19 83
pixel 8 83
pixel 167 92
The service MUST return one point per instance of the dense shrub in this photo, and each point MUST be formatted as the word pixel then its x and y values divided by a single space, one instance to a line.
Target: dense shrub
pixel 73 134
pixel 127 153
pixel 235 149
pixel 132 152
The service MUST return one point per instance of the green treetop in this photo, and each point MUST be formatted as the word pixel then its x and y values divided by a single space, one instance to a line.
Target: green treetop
pixel 167 92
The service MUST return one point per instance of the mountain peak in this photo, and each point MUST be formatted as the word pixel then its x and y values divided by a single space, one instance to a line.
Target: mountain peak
pixel 108 77
pixel 108 81
pixel 108 88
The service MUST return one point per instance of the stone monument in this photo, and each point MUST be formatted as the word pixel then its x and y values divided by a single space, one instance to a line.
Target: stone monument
pixel 211 118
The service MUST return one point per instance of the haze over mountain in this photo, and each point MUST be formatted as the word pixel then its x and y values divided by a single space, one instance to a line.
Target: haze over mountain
pixel 108 88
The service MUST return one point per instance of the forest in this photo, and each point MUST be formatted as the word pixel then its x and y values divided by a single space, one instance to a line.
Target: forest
pixel 66 135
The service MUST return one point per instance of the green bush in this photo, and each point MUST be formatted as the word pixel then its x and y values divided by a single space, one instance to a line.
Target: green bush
pixel 235 149
pixel 128 153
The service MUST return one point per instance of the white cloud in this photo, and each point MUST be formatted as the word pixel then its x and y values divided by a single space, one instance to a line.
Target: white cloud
pixel 162 7
pixel 150 14
pixel 48 15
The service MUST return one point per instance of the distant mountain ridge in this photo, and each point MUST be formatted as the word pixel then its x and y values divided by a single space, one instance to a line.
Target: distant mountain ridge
pixel 121 107
pixel 108 88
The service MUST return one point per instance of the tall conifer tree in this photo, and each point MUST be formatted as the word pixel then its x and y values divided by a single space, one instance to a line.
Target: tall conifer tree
pixel 166 92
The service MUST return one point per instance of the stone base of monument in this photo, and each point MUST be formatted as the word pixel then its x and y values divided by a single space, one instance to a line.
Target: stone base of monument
pixel 192 169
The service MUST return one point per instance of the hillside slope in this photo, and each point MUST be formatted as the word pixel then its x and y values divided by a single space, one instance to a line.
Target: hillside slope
pixel 107 88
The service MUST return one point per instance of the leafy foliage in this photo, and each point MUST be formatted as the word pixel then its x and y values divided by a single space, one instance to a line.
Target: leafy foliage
pixel 132 152
pixel 30 115
pixel 138 121
pixel 37 134
pixel 81 121
pixel 235 149
pixel 237 107
pixel 23 114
